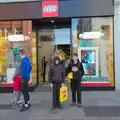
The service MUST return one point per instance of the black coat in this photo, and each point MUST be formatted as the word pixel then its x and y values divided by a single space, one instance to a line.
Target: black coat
pixel 57 72
pixel 44 64
pixel 77 75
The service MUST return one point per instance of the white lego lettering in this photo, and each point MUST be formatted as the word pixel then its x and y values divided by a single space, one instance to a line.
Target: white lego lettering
pixel 50 8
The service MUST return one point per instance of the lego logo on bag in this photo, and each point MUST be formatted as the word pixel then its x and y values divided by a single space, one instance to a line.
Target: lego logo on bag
pixel 50 8
pixel 64 94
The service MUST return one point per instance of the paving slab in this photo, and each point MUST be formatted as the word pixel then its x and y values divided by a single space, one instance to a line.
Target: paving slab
pixel 91 111
pixel 97 105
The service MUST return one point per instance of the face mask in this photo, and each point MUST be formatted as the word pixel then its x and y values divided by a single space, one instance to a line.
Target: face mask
pixel 56 62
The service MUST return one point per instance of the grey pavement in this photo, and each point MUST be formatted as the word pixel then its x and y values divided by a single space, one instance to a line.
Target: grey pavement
pixel 103 105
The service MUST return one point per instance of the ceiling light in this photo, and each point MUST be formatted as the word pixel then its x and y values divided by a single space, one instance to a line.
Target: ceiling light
pixel 52 21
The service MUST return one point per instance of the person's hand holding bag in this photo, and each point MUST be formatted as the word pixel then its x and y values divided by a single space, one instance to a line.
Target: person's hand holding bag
pixel 63 84
pixel 51 85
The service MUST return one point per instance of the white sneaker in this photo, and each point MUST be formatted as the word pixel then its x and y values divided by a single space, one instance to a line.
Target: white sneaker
pixel 20 102
pixel 14 106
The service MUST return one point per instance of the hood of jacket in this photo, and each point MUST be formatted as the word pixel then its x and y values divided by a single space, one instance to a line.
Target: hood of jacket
pixel 26 60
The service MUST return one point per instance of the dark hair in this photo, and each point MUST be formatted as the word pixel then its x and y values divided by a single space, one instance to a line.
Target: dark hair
pixel 75 54
pixel 21 51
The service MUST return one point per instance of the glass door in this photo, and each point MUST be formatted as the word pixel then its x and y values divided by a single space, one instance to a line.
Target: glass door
pixel 52 42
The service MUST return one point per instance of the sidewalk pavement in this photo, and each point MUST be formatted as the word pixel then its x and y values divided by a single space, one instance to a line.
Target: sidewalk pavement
pixel 103 105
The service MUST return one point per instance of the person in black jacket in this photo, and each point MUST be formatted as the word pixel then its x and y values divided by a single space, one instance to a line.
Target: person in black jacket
pixel 76 67
pixel 56 77
pixel 44 65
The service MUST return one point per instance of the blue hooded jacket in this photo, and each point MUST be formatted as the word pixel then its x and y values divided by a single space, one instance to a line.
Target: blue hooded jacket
pixel 25 69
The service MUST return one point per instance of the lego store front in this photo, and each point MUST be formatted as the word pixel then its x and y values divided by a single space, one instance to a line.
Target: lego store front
pixel 16 35
pixel 91 38
pixel 93 41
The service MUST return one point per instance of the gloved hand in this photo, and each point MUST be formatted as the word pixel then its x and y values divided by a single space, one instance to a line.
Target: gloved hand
pixel 63 84
pixel 51 85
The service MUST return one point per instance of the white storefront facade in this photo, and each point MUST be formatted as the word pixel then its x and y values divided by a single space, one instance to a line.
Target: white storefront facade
pixel 117 43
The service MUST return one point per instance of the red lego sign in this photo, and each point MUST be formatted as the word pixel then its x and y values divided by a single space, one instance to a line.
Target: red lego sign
pixel 50 8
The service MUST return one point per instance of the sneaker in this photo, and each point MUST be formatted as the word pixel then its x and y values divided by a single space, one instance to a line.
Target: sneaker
pixel 60 107
pixel 79 105
pixel 20 102
pixel 53 108
pixel 24 108
pixel 73 104
pixel 15 106
pixel 29 105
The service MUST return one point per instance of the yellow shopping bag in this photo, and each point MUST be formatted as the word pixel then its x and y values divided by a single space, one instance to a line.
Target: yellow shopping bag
pixel 70 75
pixel 63 94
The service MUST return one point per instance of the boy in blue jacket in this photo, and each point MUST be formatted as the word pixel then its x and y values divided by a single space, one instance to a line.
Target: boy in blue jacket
pixel 25 70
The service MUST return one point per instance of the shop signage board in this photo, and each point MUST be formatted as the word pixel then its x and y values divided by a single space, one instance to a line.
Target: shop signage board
pixel 50 8
pixel 8 1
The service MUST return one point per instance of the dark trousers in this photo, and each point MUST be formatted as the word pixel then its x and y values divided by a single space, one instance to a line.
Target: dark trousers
pixel 44 74
pixel 56 95
pixel 75 87
pixel 25 91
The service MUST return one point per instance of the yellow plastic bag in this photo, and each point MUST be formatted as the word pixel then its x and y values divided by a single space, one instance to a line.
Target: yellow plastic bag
pixel 70 75
pixel 63 94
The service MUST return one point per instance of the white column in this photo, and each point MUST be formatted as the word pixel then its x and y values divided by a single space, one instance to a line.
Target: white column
pixel 117 44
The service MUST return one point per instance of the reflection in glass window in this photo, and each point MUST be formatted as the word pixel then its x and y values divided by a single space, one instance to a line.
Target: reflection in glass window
pixel 62 36
pixel 62 42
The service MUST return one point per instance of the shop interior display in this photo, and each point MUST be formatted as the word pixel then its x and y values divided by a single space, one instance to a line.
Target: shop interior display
pixel 9 48
pixel 60 53
pixel 89 58
pixel 3 49
pixel 104 44
pixel 34 64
